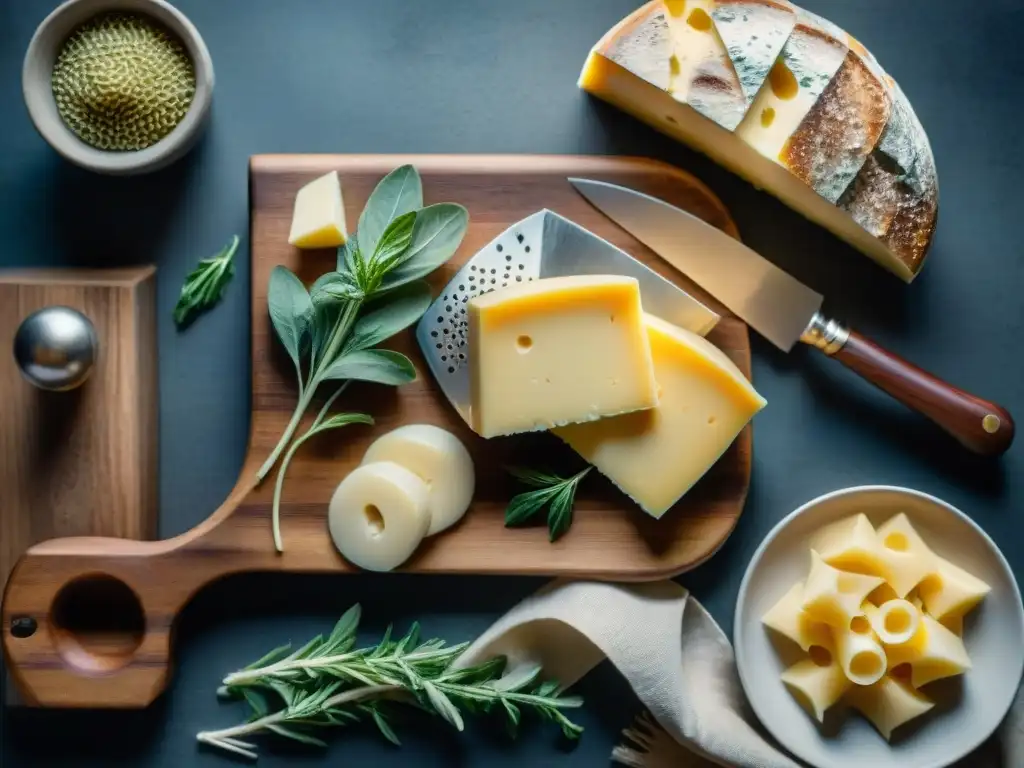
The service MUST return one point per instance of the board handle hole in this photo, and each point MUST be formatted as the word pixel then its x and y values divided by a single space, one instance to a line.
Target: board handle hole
pixel 97 623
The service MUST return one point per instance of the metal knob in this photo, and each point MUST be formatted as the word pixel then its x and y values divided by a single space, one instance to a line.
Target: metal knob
pixel 56 348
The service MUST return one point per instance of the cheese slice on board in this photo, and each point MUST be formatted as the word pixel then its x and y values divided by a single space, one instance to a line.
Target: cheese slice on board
pixel 819 132
pixel 557 351
pixel 656 456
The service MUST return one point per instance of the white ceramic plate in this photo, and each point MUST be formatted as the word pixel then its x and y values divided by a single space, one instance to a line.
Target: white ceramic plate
pixel 969 709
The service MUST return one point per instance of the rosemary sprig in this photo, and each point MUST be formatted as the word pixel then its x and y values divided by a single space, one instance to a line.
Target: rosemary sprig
pixel 328 683
pixel 205 284
pixel 556 493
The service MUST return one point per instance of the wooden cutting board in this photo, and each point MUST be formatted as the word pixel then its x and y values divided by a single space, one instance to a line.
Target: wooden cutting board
pixel 71 658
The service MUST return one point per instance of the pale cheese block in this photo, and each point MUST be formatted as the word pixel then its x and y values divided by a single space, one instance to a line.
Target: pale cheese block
pixel 908 559
pixel 858 651
pixel 558 351
pixel 701 73
pixel 951 591
pixel 656 456
pixel 820 133
pixel 817 684
pixel 787 617
pixel 935 652
pixel 318 220
pixel 894 622
pixel 379 515
pixel 440 460
pixel 888 704
pixel 835 597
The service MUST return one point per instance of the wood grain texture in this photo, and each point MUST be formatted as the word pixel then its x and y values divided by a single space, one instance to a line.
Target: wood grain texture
pixel 81 462
pixel 983 427
pixel 610 539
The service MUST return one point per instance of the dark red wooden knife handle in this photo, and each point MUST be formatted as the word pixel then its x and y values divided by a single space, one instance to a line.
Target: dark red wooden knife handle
pixel 983 427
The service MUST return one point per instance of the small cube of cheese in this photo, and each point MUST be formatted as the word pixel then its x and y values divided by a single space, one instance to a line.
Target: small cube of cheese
pixel 558 351
pixel 319 217
pixel 835 597
pixel 817 683
pixel 787 617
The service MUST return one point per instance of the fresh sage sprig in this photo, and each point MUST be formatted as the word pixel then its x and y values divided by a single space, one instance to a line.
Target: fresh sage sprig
pixel 205 284
pixel 328 683
pixel 556 493
pixel 330 330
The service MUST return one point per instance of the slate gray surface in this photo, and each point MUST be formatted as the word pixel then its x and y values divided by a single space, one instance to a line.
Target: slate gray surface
pixel 488 76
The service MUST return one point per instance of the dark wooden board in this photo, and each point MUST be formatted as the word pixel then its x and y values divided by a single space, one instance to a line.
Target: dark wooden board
pixel 80 463
pixel 64 664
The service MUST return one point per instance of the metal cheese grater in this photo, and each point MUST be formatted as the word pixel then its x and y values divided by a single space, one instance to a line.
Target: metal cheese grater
pixel 542 245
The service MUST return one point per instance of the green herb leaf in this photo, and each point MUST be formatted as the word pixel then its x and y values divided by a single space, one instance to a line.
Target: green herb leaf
pixel 524 506
pixel 436 236
pixel 388 315
pixel 275 655
pixel 398 193
pixel 558 492
pixel 291 313
pixel 382 366
pixel 294 735
pixel 384 727
pixel 342 420
pixel 443 705
pixel 205 285
pixel 334 287
pixel 393 243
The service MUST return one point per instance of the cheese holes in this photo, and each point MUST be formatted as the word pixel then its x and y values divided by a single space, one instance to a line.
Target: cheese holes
pixel 783 81
pixel 860 625
pixel 767 117
pixel 524 344
pixel 897 542
pixel 820 655
pixel 374 519
pixel 699 20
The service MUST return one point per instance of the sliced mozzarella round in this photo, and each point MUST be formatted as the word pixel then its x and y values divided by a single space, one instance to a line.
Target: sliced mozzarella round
pixel 440 459
pixel 378 515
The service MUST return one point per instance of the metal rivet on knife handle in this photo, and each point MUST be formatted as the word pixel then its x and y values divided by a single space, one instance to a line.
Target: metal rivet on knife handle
pixel 981 426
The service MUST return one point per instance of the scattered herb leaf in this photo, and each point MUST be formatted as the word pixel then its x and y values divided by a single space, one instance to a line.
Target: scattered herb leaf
pixel 205 284
pixel 556 493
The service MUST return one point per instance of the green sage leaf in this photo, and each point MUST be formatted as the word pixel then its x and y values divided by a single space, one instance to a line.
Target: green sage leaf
pixel 394 243
pixel 524 506
pixel 205 284
pixel 400 192
pixel 382 366
pixel 436 236
pixel 291 312
pixel 392 313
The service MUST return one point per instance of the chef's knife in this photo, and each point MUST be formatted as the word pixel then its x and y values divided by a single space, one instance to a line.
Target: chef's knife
pixel 785 311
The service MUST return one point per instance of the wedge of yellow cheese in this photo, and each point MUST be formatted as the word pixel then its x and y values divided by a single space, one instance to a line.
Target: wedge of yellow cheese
pixel 821 125
pixel 318 220
pixel 934 652
pixel 557 351
pixel 656 456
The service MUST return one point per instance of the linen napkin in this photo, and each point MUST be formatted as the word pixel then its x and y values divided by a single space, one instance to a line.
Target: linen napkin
pixel 678 662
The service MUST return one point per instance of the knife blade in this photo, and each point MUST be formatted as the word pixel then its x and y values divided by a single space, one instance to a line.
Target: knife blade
pixel 785 311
